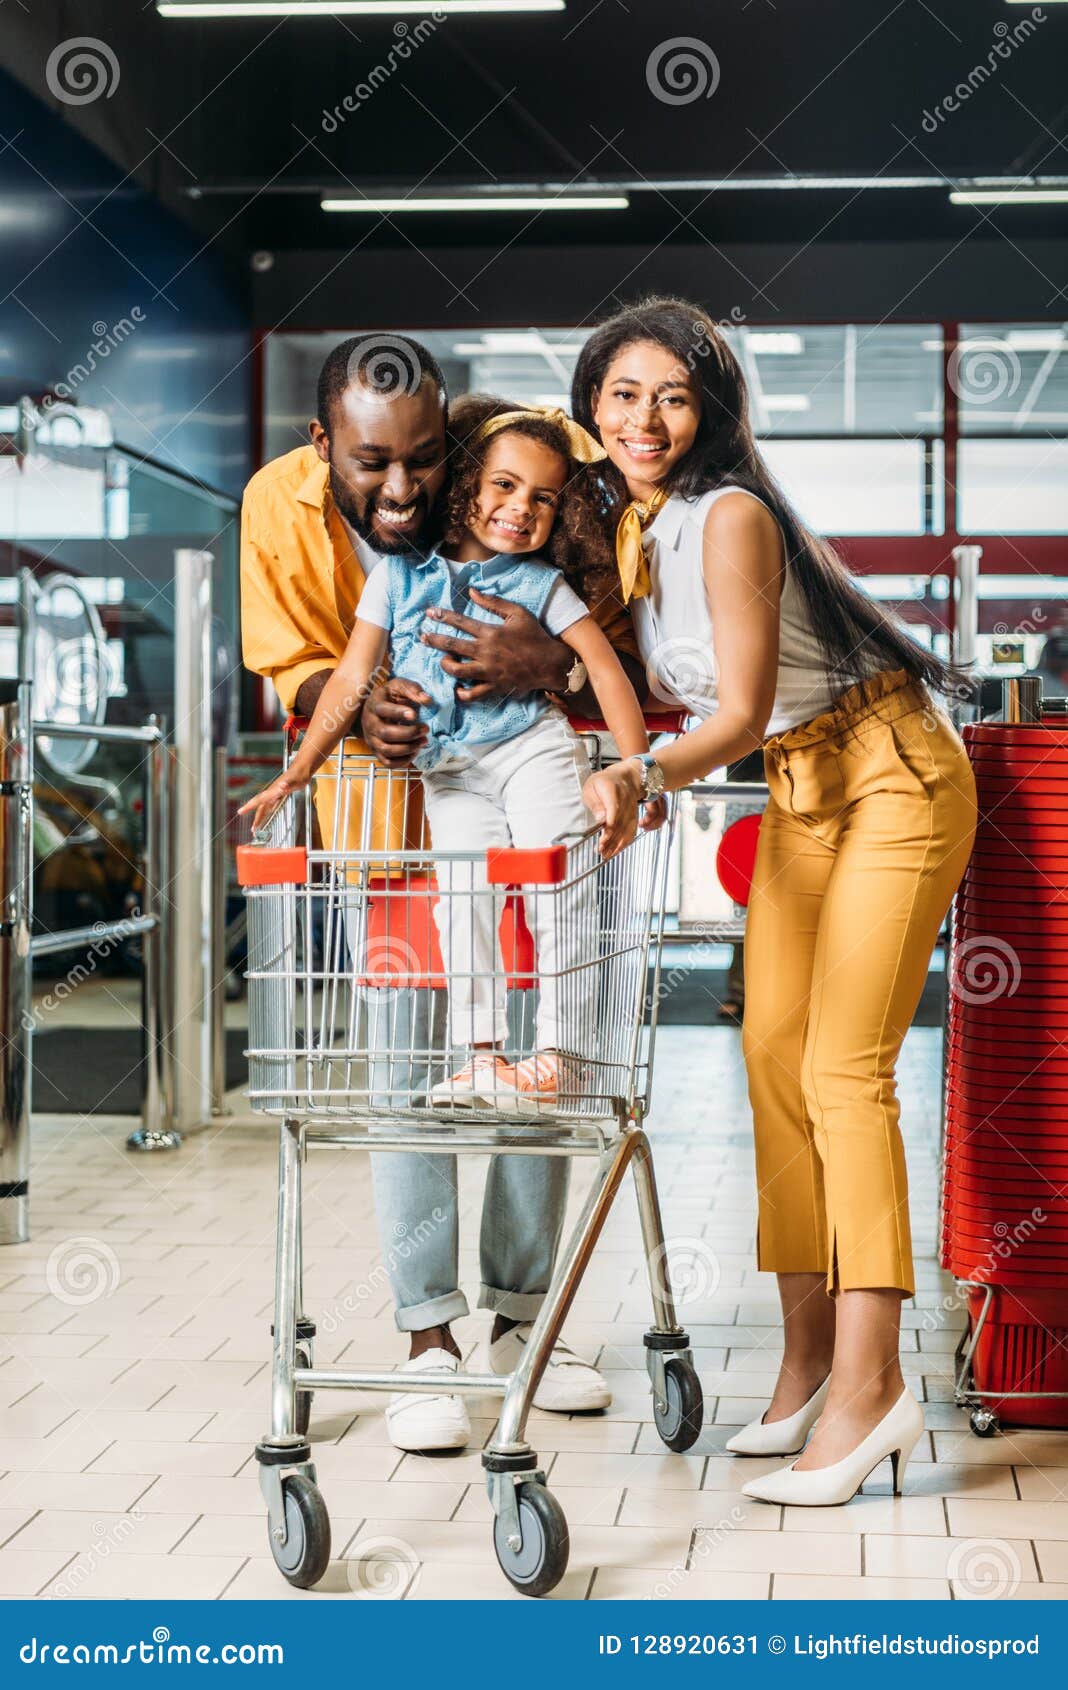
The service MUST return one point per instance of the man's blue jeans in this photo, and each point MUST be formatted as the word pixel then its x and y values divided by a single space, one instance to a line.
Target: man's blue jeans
pixel 416 1198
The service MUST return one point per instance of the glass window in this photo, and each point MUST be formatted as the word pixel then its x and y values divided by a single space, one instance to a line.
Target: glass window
pixel 824 380
pixel 852 486
pixel 1012 486
pixel 1012 378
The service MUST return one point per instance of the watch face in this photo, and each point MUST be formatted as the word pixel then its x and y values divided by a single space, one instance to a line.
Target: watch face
pixel 654 779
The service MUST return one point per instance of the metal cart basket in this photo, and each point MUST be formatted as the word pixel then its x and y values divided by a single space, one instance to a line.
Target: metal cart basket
pixel 348 1046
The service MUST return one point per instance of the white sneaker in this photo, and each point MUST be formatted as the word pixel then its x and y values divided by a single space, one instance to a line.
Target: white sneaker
pixel 569 1385
pixel 474 1087
pixel 416 1421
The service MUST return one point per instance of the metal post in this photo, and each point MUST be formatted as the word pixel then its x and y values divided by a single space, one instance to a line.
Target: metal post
pixel 218 935
pixel 192 896
pixel 157 1131
pixel 966 630
pixel 16 1022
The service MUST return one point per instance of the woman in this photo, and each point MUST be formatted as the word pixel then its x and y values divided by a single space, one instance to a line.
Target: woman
pixel 752 623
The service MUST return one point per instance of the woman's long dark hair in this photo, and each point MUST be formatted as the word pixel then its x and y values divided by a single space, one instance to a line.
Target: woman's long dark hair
pixel 855 633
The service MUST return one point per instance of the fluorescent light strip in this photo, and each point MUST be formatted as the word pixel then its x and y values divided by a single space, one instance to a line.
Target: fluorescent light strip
pixel 1009 196
pixel 341 8
pixel 485 202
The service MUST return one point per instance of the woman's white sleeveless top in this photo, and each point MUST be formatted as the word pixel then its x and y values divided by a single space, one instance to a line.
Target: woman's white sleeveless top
pixel 674 627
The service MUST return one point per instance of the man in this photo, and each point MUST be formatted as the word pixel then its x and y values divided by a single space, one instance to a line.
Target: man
pixel 315 522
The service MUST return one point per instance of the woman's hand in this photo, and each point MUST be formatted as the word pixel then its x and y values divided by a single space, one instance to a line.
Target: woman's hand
pixel 654 814
pixel 613 797
pixel 271 799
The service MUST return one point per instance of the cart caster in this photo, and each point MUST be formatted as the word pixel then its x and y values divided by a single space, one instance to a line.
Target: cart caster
pixel 540 1561
pixel 302 1406
pixel 984 1423
pixel 680 1416
pixel 305 1555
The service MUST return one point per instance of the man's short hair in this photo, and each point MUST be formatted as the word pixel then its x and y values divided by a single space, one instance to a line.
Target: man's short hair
pixel 387 365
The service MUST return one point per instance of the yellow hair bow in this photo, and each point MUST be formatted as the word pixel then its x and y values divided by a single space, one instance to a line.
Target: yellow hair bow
pixel 581 444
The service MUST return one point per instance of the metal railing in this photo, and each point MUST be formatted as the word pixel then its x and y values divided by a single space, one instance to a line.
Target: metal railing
pixel 19 946
pixel 157 1130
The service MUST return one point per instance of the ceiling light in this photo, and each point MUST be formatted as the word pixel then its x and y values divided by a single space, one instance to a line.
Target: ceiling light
pixel 1009 196
pixel 787 402
pixel 341 8
pixel 482 203
pixel 1035 340
pixel 494 345
pixel 775 342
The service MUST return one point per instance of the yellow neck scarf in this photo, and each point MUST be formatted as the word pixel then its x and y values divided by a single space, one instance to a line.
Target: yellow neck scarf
pixel 630 554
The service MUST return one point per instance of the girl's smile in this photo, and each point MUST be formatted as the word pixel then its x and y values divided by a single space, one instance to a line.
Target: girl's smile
pixel 518 491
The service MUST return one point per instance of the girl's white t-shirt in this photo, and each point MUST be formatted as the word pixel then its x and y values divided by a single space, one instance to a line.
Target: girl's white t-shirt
pixel 674 626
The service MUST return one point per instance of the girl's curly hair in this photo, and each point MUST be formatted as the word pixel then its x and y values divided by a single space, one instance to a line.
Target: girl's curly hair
pixel 579 545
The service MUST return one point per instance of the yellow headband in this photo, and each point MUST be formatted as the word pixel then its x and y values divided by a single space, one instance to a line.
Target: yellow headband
pixel 582 446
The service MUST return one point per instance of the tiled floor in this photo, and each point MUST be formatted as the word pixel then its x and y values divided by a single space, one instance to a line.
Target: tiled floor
pixel 133 1384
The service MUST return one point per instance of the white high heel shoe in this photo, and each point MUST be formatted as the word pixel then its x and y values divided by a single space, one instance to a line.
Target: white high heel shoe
pixel 896 1436
pixel 780 1437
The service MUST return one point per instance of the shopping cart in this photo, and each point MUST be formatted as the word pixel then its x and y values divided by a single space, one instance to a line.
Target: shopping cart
pixel 346 1048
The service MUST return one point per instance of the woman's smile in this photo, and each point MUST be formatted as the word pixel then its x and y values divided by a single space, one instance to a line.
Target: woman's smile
pixel 647 412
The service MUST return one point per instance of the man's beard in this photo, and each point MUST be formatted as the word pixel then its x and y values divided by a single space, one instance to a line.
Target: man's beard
pixel 380 540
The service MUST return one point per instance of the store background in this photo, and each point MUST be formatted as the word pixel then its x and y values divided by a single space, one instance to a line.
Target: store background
pixel 908 363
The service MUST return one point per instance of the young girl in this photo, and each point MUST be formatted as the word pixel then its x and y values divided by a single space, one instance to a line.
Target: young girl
pixel 495 771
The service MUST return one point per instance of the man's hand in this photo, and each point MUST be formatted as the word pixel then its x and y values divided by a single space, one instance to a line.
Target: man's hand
pixel 512 655
pixel 389 722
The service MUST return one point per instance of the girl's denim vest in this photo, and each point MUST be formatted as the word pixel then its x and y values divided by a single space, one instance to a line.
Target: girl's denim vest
pixel 417 585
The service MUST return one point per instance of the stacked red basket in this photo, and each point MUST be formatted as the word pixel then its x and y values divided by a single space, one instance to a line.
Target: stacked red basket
pixel 1005 1173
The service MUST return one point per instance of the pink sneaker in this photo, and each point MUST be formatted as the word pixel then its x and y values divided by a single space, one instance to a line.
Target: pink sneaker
pixel 476 1084
pixel 532 1084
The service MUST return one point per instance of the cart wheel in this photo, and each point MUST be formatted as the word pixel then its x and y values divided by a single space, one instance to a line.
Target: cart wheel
pixel 680 1419
pixel 984 1423
pixel 302 1413
pixel 540 1562
pixel 304 1556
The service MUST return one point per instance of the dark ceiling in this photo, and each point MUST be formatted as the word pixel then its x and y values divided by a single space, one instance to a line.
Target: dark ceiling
pixel 241 110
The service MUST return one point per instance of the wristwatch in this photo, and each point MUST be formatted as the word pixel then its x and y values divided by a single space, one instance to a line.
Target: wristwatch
pixel 652 776
pixel 576 676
